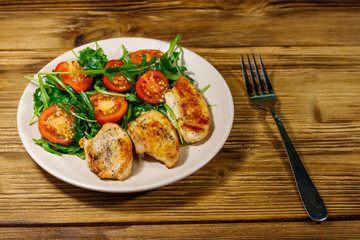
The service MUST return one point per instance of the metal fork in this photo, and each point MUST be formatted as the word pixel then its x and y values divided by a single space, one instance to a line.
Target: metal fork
pixel 265 99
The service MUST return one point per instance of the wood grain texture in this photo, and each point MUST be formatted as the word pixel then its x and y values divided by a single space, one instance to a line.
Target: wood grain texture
pixel 266 230
pixel 311 51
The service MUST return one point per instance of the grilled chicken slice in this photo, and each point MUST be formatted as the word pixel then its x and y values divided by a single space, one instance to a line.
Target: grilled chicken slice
pixel 153 133
pixel 190 110
pixel 109 153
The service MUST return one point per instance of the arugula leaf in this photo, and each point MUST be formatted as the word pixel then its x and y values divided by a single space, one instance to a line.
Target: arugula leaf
pixel 38 105
pixel 45 144
pixel 173 44
pixel 44 97
pixel 172 115
pixel 126 54
pixel 204 89
pixel 86 100
pixel 92 59
pixel 56 148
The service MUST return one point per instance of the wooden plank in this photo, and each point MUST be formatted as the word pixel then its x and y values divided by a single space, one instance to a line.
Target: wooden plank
pixel 258 231
pixel 254 23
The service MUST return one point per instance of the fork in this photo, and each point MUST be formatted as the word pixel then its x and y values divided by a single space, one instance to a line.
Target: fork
pixel 265 98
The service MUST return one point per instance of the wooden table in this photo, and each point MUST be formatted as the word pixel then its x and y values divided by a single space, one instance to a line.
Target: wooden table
pixel 312 54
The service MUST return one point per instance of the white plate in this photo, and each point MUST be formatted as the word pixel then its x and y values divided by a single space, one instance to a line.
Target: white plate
pixel 147 174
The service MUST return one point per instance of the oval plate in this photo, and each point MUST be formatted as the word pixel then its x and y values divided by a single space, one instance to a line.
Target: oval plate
pixel 147 173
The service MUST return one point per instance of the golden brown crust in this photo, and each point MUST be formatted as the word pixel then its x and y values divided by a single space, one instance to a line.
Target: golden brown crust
pixel 153 133
pixel 190 109
pixel 109 153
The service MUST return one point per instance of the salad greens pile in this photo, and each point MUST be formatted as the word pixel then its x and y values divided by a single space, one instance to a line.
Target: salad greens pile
pixel 94 60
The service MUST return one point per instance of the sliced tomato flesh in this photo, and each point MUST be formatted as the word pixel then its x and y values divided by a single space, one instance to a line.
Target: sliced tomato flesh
pixel 78 81
pixel 56 125
pixel 108 108
pixel 119 83
pixel 150 87
pixel 136 57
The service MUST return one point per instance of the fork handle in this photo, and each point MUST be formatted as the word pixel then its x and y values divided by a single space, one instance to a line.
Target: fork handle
pixel 310 197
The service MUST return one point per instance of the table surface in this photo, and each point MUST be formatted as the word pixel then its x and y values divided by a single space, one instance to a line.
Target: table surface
pixel 247 191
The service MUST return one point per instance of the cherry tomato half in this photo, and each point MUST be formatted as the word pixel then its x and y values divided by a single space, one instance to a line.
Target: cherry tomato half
pixel 79 82
pixel 56 125
pixel 120 83
pixel 108 108
pixel 136 57
pixel 150 86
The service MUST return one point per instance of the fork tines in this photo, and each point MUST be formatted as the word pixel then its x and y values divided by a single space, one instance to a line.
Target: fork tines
pixel 259 81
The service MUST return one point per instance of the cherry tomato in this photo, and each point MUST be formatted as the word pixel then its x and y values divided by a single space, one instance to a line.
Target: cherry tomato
pixel 108 108
pixel 136 57
pixel 150 86
pixel 56 125
pixel 79 82
pixel 120 83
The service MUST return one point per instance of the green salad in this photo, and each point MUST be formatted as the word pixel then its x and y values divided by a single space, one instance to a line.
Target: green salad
pixel 72 94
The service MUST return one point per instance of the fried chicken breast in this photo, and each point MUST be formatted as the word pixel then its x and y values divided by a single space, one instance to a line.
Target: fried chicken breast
pixel 154 134
pixel 190 110
pixel 109 153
